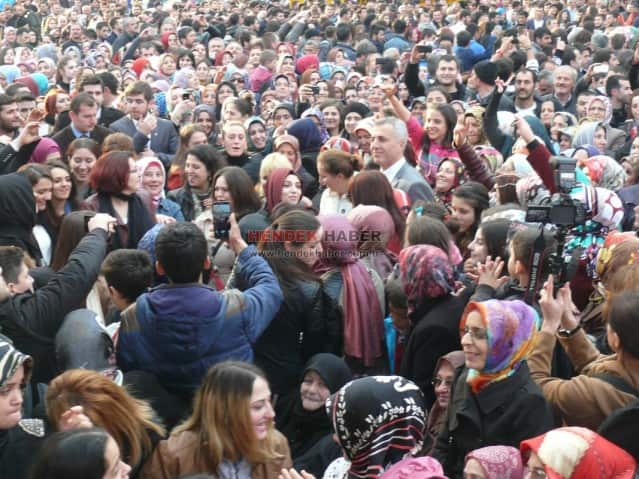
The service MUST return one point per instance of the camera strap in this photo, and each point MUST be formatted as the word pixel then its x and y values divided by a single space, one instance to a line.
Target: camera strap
pixel 536 263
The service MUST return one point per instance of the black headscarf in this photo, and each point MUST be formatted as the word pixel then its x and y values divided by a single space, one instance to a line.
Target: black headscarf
pixel 18 214
pixel 139 220
pixel 302 428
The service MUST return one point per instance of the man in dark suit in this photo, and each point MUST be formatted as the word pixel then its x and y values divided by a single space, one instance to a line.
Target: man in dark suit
pixel 94 86
pixel 150 134
pixel 390 137
pixel 84 123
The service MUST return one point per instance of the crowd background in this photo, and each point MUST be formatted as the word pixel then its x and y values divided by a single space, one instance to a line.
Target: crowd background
pixel 251 239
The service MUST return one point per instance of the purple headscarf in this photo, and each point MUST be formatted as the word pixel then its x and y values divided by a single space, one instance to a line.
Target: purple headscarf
pixel 363 321
pixel 43 149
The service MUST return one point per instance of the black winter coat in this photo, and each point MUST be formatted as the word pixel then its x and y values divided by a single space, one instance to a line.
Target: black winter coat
pixel 307 323
pixel 32 320
pixel 503 413
pixel 435 333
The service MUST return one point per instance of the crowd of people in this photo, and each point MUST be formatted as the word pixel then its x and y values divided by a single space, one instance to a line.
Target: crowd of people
pixel 292 240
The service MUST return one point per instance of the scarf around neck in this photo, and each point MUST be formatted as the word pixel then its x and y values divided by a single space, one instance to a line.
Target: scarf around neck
pixel 139 220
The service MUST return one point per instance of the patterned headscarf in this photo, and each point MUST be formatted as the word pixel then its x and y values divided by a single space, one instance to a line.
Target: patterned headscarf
pixel 491 156
pixel 607 105
pixel 605 172
pixel 317 113
pixel 378 420
pixel 415 468
pixel 531 189
pixel 446 197
pixel 426 273
pixel 612 244
pixel 511 328
pixel 503 462
pixel 10 360
pixel 577 452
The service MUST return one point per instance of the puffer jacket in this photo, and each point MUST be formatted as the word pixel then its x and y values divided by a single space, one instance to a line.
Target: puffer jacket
pixel 178 331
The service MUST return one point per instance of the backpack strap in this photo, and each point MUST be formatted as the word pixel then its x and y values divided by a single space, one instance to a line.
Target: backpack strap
pixel 617 383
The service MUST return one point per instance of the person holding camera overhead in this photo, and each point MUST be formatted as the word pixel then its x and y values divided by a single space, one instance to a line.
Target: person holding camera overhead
pixel 151 135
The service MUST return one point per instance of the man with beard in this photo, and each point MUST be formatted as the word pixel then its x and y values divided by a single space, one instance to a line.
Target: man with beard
pixel 524 100
pixel 619 91
pixel 446 73
pixel 15 148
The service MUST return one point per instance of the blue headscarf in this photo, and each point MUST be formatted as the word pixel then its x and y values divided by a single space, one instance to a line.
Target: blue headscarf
pixel 307 133
pixel 10 72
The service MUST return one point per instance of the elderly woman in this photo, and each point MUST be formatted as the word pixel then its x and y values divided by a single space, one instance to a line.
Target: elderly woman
pixel 494 401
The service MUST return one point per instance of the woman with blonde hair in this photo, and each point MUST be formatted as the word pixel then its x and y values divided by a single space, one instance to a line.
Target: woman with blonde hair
pixel 271 162
pixel 128 421
pixel 230 432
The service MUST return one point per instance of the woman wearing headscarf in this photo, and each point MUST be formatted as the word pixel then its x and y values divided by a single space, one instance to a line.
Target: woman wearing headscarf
pixel 289 145
pixel 494 462
pixel 282 186
pixel 428 279
pixel 306 424
pixel 494 401
pixel 378 421
pixel 443 379
pixel 604 172
pixel 450 174
pixel 46 149
pixel 260 144
pixel 375 228
pixel 18 215
pixel 316 115
pixel 359 292
pixel 152 178
pixel 576 453
pixel 20 438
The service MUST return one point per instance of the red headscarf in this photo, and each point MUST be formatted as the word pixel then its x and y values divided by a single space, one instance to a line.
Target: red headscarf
pixel 579 453
pixel 274 185
pixel 139 65
pixel 164 38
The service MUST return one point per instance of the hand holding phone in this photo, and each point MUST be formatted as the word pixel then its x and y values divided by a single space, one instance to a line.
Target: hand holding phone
pixel 221 224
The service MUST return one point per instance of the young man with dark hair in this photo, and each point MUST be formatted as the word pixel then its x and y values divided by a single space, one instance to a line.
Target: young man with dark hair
pixel 177 331
pixel 84 123
pixel 619 91
pixel 94 86
pixel 32 319
pixel 128 274
pixel 149 133
pixel 111 85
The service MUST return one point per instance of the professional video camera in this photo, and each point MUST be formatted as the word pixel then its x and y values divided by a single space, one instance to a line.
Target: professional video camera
pixel 561 210
pixel 564 213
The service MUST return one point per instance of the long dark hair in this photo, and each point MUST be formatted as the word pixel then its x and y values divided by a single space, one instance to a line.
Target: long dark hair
pixel 244 198
pixel 495 233
pixel 72 230
pixel 450 116
pixel 74 454
pixel 373 188
pixel 55 220
pixel 476 195
pixel 288 268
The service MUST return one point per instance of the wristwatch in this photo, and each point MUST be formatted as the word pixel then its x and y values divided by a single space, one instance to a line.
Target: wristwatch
pixel 567 333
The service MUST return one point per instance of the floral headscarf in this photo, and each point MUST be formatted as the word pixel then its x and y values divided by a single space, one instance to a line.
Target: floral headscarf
pixel 426 273
pixel 378 421
pixel 503 462
pixel 510 328
pixel 604 172
pixel 577 452
pixel 491 156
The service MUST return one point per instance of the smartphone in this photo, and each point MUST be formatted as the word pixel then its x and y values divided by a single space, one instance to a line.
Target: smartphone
pixel 221 223
pixel 380 61
pixel 186 96
pixel 600 69
pixel 424 48
pixel 315 90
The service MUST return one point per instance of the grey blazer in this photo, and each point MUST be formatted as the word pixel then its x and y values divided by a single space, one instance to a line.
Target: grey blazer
pixel 164 139
pixel 413 184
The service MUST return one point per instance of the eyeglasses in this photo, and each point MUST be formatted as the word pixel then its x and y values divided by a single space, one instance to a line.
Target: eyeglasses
pixel 534 473
pixel 436 382
pixel 478 334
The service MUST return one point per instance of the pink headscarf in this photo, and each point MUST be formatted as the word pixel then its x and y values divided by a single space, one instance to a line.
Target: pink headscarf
pixel 376 228
pixel 142 164
pixel 503 462
pixel 363 321
pixel 43 149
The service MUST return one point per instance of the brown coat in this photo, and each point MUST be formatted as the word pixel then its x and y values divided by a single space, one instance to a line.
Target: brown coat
pixel 175 457
pixel 583 400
